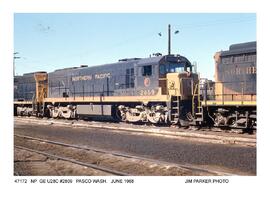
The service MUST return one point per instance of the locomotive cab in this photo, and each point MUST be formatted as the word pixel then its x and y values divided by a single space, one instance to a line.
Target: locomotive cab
pixel 176 77
pixel 178 82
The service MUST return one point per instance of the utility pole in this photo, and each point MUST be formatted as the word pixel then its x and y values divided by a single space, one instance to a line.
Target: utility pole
pixel 169 39
pixel 15 57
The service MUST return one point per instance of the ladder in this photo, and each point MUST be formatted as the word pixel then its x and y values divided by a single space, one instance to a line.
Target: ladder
pixel 197 110
pixel 175 109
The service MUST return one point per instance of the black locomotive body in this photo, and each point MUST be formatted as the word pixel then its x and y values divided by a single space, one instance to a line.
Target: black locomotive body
pixel 24 94
pixel 128 77
pixel 24 87
pixel 236 69
pixel 233 103
pixel 155 89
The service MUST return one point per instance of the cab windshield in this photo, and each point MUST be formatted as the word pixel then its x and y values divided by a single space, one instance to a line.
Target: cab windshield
pixel 174 68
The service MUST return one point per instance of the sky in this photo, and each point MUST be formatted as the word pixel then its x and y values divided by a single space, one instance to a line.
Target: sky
pixel 49 41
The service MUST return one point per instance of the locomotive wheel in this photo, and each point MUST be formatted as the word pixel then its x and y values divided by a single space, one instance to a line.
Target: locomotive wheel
pixel 134 117
pixel 66 114
pixel 153 117
pixel 121 116
pixel 232 122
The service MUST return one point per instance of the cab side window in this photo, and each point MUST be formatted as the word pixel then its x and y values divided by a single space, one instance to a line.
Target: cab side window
pixel 147 70
pixel 162 70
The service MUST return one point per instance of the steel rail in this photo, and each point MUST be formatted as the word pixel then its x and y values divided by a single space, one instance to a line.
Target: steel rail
pixel 192 129
pixel 101 168
pixel 193 168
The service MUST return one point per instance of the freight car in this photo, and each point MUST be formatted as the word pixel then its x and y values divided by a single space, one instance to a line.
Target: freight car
pixel 157 89
pixel 233 103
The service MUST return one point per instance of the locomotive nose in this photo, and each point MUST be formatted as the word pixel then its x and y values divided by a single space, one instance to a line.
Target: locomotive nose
pixel 181 84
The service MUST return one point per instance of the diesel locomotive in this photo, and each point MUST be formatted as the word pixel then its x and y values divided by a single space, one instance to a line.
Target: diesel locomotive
pixel 158 89
pixel 233 102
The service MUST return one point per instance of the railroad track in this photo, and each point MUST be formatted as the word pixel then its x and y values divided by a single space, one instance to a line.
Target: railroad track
pixel 193 169
pixel 102 124
pixel 195 129
pixel 67 159
pixel 206 136
pixel 100 168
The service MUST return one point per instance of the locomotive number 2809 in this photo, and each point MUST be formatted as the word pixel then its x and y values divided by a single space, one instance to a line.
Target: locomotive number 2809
pixel 148 92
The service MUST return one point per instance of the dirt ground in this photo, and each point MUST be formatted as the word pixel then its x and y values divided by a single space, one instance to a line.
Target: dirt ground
pixel 30 163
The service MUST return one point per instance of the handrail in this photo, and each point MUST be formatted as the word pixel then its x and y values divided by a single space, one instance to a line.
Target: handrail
pixel 229 91
pixel 196 93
